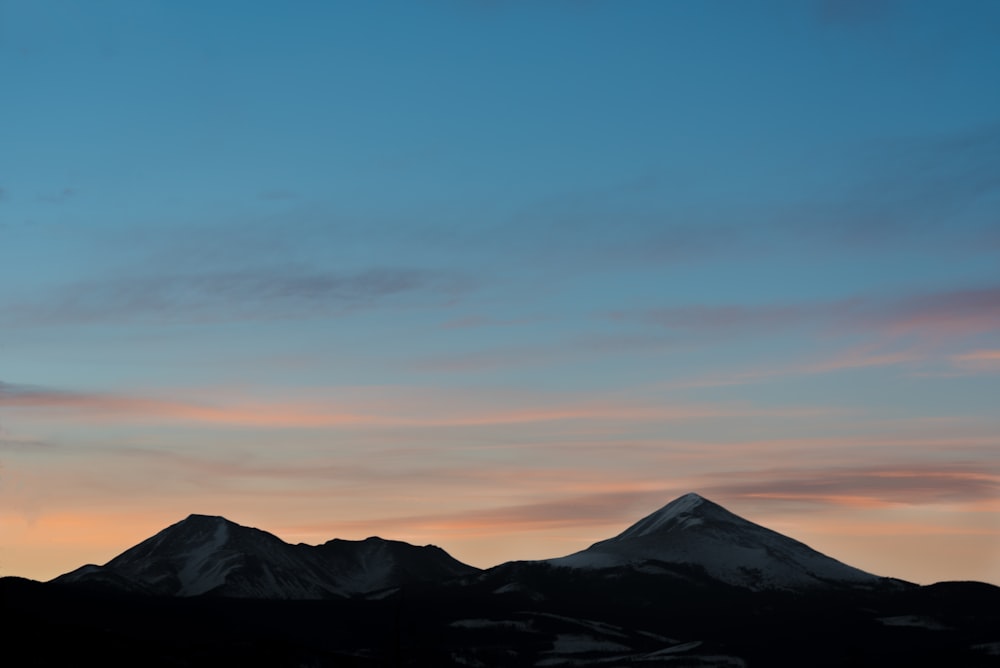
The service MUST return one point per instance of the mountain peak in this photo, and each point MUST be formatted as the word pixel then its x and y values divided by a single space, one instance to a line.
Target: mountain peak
pixel 197 517
pixel 208 554
pixel 684 503
pixel 196 522
pixel 694 531
pixel 684 512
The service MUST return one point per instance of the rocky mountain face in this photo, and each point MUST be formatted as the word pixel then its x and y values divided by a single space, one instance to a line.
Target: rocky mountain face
pixel 211 555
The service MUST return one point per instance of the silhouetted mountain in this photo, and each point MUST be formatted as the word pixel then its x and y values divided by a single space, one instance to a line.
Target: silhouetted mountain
pixel 689 585
pixel 693 531
pixel 211 555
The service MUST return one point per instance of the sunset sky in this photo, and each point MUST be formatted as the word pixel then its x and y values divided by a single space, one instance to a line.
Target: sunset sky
pixel 503 276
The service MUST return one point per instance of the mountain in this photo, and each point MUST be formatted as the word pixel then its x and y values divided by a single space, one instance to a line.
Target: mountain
pixel 691 584
pixel 694 532
pixel 211 555
pixel 691 538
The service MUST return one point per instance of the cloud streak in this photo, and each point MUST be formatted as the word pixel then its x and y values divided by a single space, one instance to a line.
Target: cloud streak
pixel 978 361
pixel 395 409
pixel 933 316
pixel 623 503
pixel 110 407
pixel 600 509
pixel 262 294
pixel 870 487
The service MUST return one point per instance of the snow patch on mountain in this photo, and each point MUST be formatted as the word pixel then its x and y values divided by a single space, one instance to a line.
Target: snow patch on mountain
pixel 200 570
pixel 990 648
pixel 506 624
pixel 675 649
pixel 570 643
pixel 591 625
pixel 680 514
pixel 914 621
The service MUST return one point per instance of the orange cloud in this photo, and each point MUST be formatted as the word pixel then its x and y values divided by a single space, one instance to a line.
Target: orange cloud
pixel 959 313
pixel 397 407
pixel 97 406
pixel 978 361
pixel 980 355
pixel 851 501
pixel 875 527
pixel 859 358
pixel 602 508
pixel 872 487
pixel 579 500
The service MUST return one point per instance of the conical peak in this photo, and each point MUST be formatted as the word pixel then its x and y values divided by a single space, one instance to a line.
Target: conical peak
pixel 194 524
pixel 684 512
pixel 218 531
pixel 727 547
pixel 687 504
pixel 205 519
pixel 198 525
pixel 689 500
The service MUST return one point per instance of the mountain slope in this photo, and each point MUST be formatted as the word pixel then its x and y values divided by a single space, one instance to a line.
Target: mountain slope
pixel 692 530
pixel 211 555
pixel 690 539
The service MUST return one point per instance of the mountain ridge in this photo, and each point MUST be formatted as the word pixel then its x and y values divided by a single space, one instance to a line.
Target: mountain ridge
pixel 211 555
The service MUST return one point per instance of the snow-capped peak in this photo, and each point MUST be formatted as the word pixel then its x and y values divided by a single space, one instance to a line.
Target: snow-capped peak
pixel 681 513
pixel 694 531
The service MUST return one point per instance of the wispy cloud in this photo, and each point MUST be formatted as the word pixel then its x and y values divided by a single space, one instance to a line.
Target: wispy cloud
pixel 97 407
pixel 477 321
pixel 978 360
pixel 931 316
pixel 857 358
pixel 932 192
pixel 599 509
pixel 728 318
pixel 622 503
pixel 912 484
pixel 957 313
pixel 263 294
pixel 444 409
pixel 14 444
pixel 505 357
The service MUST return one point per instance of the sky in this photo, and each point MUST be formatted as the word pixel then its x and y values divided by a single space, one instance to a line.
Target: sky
pixel 501 276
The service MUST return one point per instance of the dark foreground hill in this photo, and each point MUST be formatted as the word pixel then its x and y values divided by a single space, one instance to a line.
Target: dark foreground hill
pixel 948 624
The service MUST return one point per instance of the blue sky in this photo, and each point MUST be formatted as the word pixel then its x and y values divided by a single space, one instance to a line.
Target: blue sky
pixel 500 275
